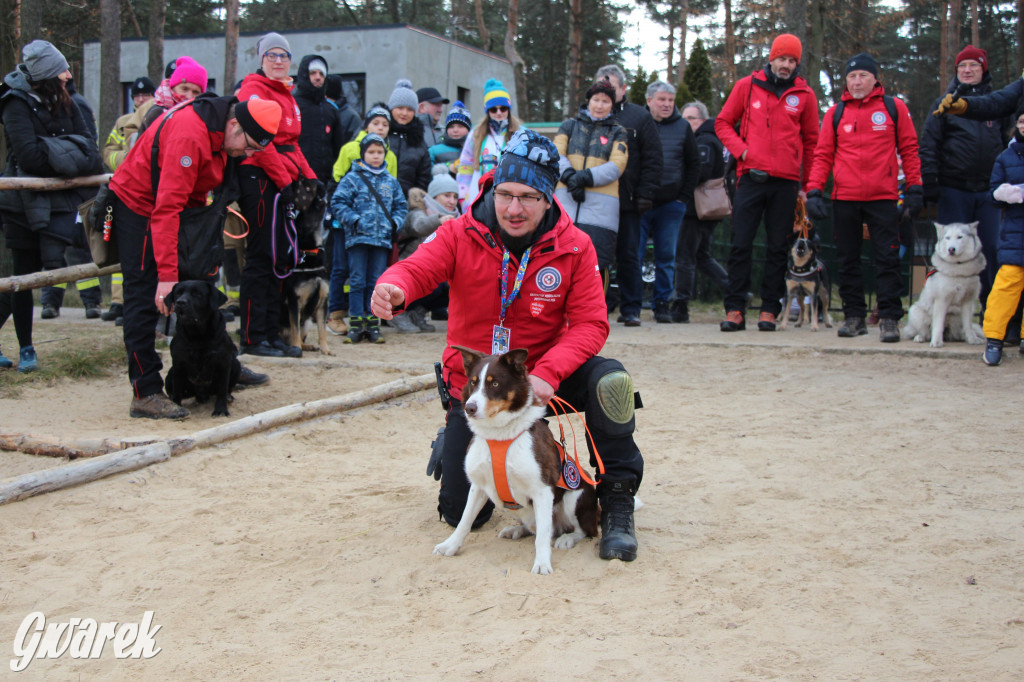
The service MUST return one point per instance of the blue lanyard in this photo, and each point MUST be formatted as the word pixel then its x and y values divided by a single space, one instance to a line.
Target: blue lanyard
pixel 507 298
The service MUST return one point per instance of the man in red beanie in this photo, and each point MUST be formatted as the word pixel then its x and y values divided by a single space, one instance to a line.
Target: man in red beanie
pixel 957 155
pixel 777 117
pixel 196 139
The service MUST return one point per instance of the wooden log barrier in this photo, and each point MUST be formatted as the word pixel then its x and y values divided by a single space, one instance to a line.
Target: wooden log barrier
pixel 51 184
pixel 49 278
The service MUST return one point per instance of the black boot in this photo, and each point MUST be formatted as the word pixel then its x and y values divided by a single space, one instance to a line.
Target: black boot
pixel 680 311
pixel 661 313
pixel 618 536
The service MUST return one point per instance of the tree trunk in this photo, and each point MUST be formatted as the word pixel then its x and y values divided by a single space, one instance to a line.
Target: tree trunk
pixel 157 19
pixel 795 13
pixel 1020 35
pixel 730 45
pixel 943 44
pixel 31 23
pixel 670 56
pixel 681 68
pixel 518 67
pixel 812 56
pixel 953 36
pixel 976 24
pixel 230 45
pixel 481 27
pixel 110 63
pixel 575 54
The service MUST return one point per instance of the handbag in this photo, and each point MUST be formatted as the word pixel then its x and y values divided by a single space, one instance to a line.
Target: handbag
pixel 94 214
pixel 711 200
pixel 393 256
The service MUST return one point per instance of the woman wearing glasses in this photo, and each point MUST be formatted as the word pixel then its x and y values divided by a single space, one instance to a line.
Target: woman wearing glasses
pixel 262 177
pixel 593 156
pixel 485 144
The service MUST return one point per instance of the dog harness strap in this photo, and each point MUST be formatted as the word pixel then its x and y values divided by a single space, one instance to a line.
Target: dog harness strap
pixel 499 449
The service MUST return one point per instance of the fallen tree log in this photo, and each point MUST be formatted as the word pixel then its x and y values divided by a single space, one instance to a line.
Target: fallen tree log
pixel 85 470
pixel 51 184
pixel 47 278
pixel 72 449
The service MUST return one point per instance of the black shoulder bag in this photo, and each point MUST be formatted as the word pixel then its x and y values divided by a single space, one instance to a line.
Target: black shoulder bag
pixel 393 258
pixel 200 229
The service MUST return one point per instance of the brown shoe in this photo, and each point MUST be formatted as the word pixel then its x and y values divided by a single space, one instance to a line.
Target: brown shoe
pixel 336 323
pixel 157 406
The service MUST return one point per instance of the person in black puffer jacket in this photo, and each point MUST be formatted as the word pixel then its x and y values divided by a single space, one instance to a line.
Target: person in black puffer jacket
pixel 956 160
pixel 321 136
pixel 405 138
pixel 38 115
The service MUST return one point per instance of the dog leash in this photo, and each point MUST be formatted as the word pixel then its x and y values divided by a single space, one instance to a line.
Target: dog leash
pixel 292 236
pixel 800 222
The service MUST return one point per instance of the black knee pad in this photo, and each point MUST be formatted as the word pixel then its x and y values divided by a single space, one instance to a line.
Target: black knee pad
pixel 611 393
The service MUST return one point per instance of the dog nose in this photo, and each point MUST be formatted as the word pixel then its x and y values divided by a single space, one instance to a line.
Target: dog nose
pixel 952 251
pixel 470 408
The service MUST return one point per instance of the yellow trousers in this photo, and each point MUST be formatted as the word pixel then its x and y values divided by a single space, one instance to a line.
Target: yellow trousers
pixel 1003 300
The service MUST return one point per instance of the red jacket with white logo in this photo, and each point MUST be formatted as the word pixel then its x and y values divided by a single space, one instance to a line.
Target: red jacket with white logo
pixel 191 160
pixel 283 160
pixel 862 154
pixel 560 314
pixel 778 133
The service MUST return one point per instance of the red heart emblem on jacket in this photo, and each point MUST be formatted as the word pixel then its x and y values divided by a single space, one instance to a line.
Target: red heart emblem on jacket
pixel 604 140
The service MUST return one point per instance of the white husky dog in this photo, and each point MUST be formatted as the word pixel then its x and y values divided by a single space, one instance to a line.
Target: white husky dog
pixel 950 294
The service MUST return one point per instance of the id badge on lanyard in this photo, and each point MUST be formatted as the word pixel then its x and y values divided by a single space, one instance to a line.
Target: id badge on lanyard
pixel 501 334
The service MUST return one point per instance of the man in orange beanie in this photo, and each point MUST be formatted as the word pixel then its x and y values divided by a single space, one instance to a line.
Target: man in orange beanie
pixel 195 140
pixel 777 115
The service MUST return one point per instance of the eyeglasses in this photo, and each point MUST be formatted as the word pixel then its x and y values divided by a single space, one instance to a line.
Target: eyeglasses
pixel 968 64
pixel 525 200
pixel 693 118
pixel 278 56
pixel 501 107
pixel 250 146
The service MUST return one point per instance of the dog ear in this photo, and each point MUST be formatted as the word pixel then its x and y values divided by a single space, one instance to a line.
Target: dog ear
pixel 469 357
pixel 217 297
pixel 939 229
pixel 516 359
pixel 973 227
pixel 170 298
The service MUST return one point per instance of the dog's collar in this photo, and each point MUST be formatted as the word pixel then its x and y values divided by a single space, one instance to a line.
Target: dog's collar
pixel 499 451
pixel 804 271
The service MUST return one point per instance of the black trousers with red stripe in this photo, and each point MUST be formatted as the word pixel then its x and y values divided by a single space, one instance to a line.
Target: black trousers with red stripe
pixel 259 295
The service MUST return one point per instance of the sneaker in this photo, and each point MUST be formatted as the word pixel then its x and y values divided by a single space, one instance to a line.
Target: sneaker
pixel 5 362
pixel 680 311
pixel 661 313
pixel 630 319
pixel 156 406
pixel 336 323
pixel 405 324
pixel 1021 349
pixel 247 377
pixel 27 361
pixel 49 312
pixel 993 352
pixel 115 311
pixel 889 332
pixel 262 349
pixel 419 318
pixel 618 534
pixel 733 322
pixel 766 322
pixel 853 326
pixel 371 330
pixel 93 313
pixel 355 330
pixel 286 350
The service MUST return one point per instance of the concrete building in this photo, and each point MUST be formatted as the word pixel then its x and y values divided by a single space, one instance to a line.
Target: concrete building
pixel 370 60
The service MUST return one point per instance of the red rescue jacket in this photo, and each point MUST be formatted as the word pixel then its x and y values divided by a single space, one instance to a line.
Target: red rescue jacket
pixel 778 133
pixel 862 154
pixel 560 315
pixel 283 160
pixel 191 160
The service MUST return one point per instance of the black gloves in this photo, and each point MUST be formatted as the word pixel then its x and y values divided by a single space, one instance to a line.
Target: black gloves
pixel 567 176
pixel 586 178
pixel 816 205
pixel 578 183
pixel 931 189
pixel 287 194
pixel 436 453
pixel 643 205
pixel 913 202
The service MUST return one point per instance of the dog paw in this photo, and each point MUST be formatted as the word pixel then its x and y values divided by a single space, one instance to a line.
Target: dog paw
pixel 513 532
pixel 975 340
pixel 446 548
pixel 919 339
pixel 221 413
pixel 937 343
pixel 324 350
pixel 568 541
pixel 542 568
pixel 310 347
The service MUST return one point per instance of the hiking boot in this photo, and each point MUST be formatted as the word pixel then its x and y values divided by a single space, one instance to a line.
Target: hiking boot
pixel 661 313
pixel 262 349
pixel 286 350
pixel 157 406
pixel 355 330
pixel 5 362
pixel 404 324
pixel 93 313
pixel 853 326
pixel 889 332
pixel 419 317
pixel 336 323
pixel 680 311
pixel 247 378
pixel 766 322
pixel 115 311
pixel 49 312
pixel 733 322
pixel 618 536
pixel 630 319
pixel 27 361
pixel 993 352
pixel 371 329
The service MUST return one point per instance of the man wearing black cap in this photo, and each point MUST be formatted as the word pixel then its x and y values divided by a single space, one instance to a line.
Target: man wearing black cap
pixel 867 125
pixel 430 109
pixel 192 153
pixel 516 231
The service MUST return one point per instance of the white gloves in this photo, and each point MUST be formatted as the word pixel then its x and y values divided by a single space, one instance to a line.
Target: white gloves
pixel 1008 194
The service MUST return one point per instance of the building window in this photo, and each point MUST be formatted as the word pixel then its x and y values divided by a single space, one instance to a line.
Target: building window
pixel 464 96
pixel 353 87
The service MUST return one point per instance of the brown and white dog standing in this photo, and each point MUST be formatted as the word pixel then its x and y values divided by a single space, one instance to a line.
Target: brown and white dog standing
pixel 500 406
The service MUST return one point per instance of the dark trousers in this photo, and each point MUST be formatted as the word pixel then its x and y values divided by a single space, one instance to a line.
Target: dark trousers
pixel 959 206
pixel 621 457
pixel 627 255
pixel 138 265
pixel 259 296
pixel 693 254
pixel 883 221
pixel 20 303
pixel 775 201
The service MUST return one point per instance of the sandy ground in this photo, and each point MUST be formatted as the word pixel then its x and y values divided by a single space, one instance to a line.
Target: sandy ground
pixel 816 509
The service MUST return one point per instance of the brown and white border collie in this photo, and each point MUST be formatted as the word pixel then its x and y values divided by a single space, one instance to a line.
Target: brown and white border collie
pixel 500 406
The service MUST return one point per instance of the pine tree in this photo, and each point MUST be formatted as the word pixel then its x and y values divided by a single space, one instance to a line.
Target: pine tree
pixel 637 93
pixel 698 73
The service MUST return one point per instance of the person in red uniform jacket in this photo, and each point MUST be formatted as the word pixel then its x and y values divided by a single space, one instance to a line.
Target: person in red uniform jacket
pixel 559 314
pixel 860 151
pixel 777 115
pixel 197 138
pixel 261 179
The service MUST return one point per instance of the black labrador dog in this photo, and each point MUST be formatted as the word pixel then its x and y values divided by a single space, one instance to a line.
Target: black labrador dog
pixel 202 354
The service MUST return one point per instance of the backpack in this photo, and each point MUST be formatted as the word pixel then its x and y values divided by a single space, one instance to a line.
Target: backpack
pixel 890 106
